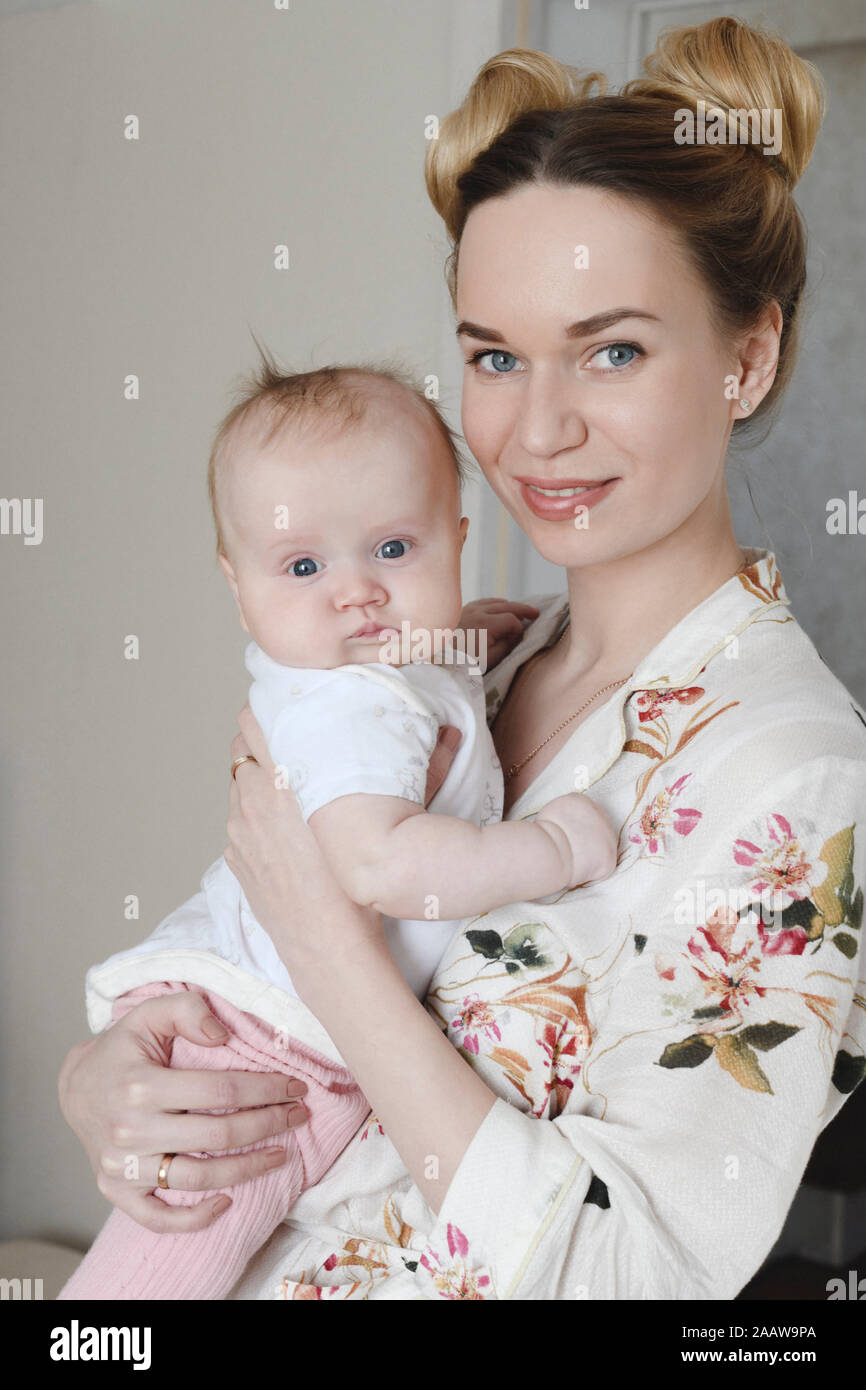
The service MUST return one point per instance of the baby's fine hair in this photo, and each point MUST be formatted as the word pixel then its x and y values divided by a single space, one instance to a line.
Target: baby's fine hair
pixel 337 396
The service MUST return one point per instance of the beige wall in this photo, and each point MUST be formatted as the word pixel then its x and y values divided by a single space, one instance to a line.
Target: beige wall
pixel 153 257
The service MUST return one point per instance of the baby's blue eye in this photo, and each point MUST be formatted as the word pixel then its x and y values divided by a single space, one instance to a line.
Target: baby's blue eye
pixel 396 549
pixel 304 572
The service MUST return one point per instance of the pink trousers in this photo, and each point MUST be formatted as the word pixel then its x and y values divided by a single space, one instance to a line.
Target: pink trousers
pixel 127 1261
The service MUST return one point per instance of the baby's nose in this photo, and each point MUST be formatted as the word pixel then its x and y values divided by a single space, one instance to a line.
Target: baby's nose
pixel 357 589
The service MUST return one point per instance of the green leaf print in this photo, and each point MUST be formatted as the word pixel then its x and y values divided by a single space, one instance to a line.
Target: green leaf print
pixel 848 1071
pixel 521 944
pixel 845 943
pixel 688 1053
pixel 833 896
pixel 765 1036
pixel 485 943
pixel 801 913
pixel 597 1194
pixel 736 1057
pixel 734 1051
pixel 518 950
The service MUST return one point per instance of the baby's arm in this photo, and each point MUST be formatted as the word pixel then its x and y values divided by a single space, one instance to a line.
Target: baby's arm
pixel 388 853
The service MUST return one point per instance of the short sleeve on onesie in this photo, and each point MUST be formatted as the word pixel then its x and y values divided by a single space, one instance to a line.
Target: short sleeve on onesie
pixel 334 733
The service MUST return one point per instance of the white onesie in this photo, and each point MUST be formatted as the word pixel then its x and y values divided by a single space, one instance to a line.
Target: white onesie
pixel 331 733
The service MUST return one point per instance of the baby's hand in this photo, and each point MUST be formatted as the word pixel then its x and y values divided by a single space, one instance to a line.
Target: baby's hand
pixel 585 836
pixel 501 619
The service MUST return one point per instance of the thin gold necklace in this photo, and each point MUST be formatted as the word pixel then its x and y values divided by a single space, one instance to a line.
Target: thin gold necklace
pixel 614 685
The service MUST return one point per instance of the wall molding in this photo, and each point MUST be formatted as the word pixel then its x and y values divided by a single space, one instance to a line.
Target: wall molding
pixel 802 23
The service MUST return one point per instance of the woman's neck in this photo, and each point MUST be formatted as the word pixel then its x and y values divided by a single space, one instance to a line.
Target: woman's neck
pixel 620 610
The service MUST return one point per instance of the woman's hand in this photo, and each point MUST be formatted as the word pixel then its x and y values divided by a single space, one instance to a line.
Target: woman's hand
pixel 279 864
pixel 501 619
pixel 127 1106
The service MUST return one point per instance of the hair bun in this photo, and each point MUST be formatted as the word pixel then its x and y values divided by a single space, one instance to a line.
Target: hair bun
pixel 729 64
pixel 514 81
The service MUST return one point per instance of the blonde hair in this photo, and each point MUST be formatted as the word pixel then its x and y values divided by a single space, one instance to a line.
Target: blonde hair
pixel 530 119
pixel 332 397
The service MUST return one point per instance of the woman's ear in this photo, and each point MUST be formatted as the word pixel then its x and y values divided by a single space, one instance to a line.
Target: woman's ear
pixel 231 580
pixel 758 361
pixel 463 527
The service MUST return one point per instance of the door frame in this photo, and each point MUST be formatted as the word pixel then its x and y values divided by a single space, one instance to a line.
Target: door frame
pixel 801 23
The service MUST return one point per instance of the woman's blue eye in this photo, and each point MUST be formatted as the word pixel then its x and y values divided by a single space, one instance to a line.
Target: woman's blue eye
pixel 304 572
pixel 396 549
pixel 615 354
pixel 499 361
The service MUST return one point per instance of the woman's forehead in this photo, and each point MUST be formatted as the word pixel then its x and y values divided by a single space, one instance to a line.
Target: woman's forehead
pixel 565 254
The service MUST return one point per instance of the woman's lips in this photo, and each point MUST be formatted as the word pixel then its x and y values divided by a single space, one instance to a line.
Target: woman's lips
pixel 564 507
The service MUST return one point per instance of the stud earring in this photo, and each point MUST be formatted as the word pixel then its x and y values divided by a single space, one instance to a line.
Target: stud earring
pixel 745 405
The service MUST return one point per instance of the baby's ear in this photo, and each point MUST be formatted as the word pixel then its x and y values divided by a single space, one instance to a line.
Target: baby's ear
pixel 225 566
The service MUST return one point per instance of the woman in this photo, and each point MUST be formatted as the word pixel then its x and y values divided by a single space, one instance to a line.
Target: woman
pixel 613 1094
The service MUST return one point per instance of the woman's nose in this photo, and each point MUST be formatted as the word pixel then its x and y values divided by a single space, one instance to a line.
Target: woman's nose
pixel 551 418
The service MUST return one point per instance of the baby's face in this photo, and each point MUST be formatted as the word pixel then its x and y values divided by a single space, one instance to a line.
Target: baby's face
pixel 329 536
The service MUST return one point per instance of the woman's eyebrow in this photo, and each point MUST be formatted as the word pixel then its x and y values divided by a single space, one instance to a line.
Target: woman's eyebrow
pixel 583 328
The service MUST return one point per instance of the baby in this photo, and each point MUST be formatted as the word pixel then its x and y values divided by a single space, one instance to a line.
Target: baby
pixel 336 495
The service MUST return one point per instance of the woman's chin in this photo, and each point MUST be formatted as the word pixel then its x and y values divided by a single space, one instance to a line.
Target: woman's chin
pixel 566 548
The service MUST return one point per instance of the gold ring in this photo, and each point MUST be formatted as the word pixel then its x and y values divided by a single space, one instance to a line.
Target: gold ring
pixel 246 758
pixel 162 1175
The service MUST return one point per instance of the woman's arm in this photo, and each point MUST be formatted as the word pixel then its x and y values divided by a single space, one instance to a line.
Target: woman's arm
pixel 427 1099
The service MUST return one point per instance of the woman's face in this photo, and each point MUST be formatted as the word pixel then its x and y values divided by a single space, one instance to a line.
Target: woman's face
pixel 629 405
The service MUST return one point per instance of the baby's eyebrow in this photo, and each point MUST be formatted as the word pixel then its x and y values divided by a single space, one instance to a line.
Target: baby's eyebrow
pixel 283 539
pixel 384 530
pixel 403 523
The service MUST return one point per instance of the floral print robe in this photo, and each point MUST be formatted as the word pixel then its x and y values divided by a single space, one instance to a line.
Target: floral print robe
pixel 665 1045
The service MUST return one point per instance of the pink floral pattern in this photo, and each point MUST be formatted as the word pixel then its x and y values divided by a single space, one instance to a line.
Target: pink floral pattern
pixel 651 704
pixel 454 1278
pixel 475 1019
pixel 562 1050
pixel 727 971
pixel 784 865
pixel 662 818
